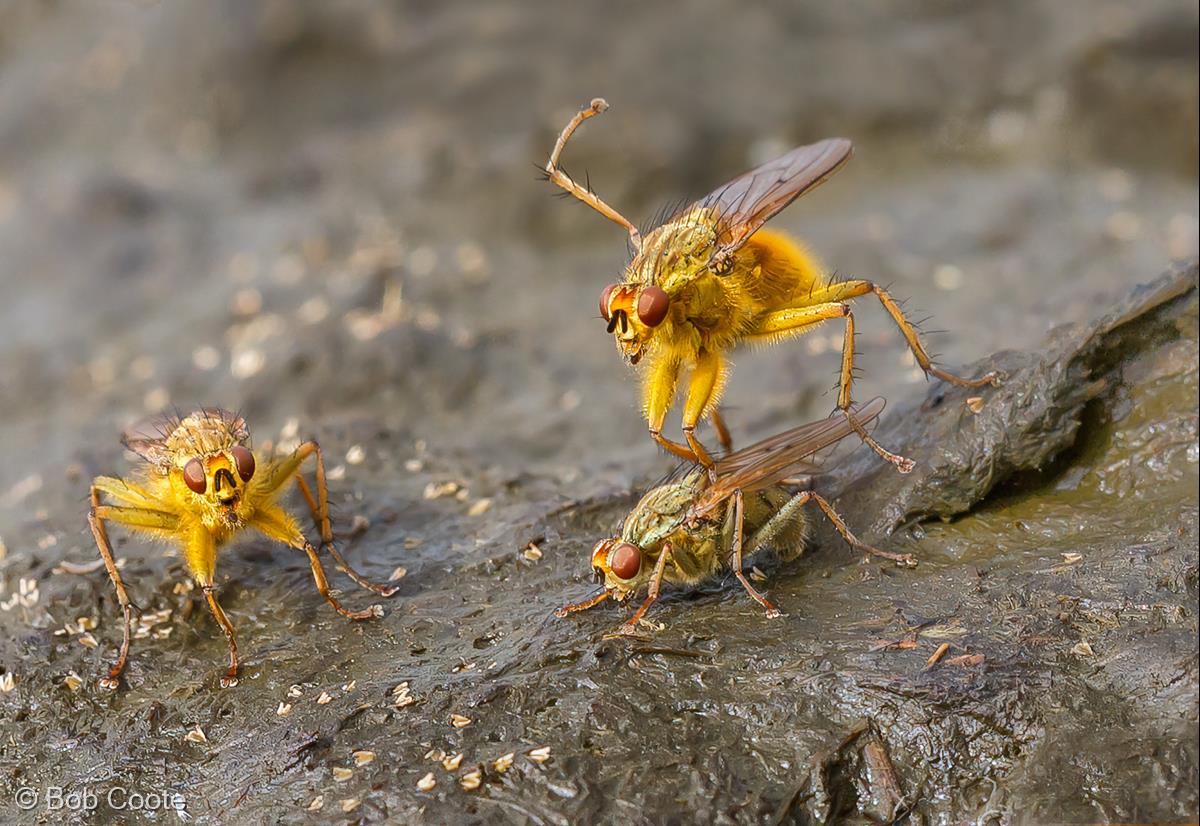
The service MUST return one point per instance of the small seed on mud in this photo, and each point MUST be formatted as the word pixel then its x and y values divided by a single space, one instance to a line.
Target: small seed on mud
pixel 504 762
pixel 540 755
pixel 532 552
pixel 479 507
pixel 757 575
pixel 7 682
pixel 72 681
pixel 452 762
pixel 975 403
pixel 362 757
pixel 196 735
pixel 427 782
pixel 1083 649
pixel 317 803
pixel 341 774
pixel 400 573
pixel 348 687
pixel 437 490
pixel 1071 558
pixel 351 803
pixel 284 709
pixel 458 721
pixel 295 691
pixel 87 641
pixel 324 698
pixel 435 754
pixel 355 455
pixel 471 780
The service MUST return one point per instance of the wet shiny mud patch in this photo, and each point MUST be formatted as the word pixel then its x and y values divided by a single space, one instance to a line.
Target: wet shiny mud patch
pixel 1039 664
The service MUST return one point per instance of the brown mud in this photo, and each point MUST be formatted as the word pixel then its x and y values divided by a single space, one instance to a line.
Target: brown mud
pixel 329 216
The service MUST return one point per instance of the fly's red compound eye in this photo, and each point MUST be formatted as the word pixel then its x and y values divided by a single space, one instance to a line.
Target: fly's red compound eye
pixel 243 459
pixel 193 476
pixel 652 306
pixel 604 298
pixel 626 561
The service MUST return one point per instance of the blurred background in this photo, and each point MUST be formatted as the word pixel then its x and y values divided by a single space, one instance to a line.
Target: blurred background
pixel 331 211
pixel 329 215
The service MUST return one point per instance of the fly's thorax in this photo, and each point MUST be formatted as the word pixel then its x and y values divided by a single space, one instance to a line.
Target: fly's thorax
pixel 660 511
pixel 206 432
pixel 674 253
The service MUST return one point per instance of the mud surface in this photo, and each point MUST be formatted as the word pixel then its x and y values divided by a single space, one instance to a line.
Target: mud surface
pixel 328 215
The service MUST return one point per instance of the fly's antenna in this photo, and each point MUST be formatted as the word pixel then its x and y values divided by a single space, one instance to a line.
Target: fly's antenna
pixel 555 173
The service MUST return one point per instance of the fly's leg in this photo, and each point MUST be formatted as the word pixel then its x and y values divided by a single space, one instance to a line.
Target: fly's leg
pixel 629 627
pixel 846 290
pixel 110 682
pixel 704 388
pixel 738 525
pixel 718 423
pixel 902 464
pixel 582 606
pixel 231 674
pixel 794 320
pixel 134 517
pixel 374 612
pixel 319 506
pixel 560 178
pixel 775 532
pixel 907 560
pixel 658 394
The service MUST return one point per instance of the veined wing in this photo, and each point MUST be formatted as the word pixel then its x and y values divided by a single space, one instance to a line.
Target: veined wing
pixel 765 463
pixel 747 202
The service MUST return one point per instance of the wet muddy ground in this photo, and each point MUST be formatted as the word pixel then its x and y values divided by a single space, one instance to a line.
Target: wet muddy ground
pixel 329 216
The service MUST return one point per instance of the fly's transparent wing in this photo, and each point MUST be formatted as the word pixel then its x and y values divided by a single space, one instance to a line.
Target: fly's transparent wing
pixel 744 204
pixel 765 463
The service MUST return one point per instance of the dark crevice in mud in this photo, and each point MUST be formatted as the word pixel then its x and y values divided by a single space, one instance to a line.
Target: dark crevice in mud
pixel 1092 436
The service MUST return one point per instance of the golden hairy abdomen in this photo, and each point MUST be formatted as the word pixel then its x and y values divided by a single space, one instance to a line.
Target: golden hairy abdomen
pixel 776 271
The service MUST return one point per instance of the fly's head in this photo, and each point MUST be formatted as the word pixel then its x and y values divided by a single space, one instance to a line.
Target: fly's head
pixel 642 304
pixel 211 465
pixel 633 313
pixel 620 566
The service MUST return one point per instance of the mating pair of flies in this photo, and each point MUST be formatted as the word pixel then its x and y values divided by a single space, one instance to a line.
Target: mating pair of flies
pixel 700 283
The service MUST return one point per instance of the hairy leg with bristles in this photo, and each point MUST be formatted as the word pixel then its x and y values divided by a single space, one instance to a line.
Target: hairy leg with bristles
pixel 584 194
pixel 738 525
pixel 907 560
pixel 135 518
pixel 319 507
pixel 658 394
pixel 591 602
pixel 231 674
pixel 373 612
pixel 704 386
pixel 792 321
pixel 275 523
pixel 629 627
pixel 775 528
pixel 846 290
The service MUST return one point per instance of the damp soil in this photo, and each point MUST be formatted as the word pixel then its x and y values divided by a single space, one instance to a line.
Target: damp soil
pixel 328 216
